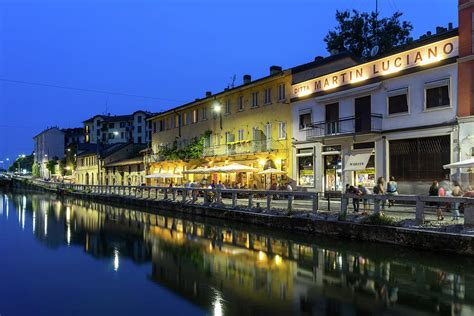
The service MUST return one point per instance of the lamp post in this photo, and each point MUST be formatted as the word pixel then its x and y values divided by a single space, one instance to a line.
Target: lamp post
pixel 20 158
pixel 218 110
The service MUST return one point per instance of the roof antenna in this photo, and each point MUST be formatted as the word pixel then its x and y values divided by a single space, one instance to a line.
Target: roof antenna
pixel 374 51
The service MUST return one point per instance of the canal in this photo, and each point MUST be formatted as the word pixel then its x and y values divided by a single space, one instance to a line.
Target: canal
pixel 73 257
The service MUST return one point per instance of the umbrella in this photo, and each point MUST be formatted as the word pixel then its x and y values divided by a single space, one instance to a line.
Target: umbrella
pixel 199 170
pixel 234 167
pixel 468 163
pixel 163 175
pixel 272 171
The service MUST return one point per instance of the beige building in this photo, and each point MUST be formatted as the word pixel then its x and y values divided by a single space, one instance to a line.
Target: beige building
pixel 249 124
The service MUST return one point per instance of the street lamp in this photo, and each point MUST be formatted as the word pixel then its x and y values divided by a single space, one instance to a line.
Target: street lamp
pixel 218 110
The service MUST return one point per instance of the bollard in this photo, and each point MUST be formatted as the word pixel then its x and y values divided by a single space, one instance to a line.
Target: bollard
pixel 376 205
pixel 420 211
pixel 269 202
pixel 315 202
pixel 468 216
pixel 234 200
pixel 344 203
pixel 290 202
pixel 250 204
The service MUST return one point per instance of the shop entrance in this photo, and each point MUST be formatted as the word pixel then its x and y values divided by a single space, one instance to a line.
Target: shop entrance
pixel 332 173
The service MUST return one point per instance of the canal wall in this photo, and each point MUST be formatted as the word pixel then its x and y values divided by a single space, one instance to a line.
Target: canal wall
pixel 408 237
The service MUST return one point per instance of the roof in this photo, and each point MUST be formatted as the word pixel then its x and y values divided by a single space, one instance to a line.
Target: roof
pixel 48 130
pixel 325 61
pixel 103 150
pixel 118 118
pixel 73 131
pixel 126 162
pixel 282 73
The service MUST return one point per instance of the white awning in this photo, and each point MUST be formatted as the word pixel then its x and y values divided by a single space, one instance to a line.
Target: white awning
pixel 163 175
pixel 468 163
pixel 234 167
pixel 358 160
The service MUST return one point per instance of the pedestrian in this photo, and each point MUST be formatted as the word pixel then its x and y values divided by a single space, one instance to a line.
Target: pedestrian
pixel 213 184
pixel 456 191
pixel 379 189
pixel 355 200
pixel 435 191
pixel 392 189
pixel 362 192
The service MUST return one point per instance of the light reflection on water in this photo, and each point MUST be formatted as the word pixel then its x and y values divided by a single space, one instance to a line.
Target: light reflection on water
pixel 235 269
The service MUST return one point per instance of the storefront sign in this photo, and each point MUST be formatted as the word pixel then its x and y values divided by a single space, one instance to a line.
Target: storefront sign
pixel 358 160
pixel 421 56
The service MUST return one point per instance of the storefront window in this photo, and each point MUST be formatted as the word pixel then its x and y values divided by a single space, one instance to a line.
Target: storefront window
pixel 333 173
pixel 305 168
pixel 366 177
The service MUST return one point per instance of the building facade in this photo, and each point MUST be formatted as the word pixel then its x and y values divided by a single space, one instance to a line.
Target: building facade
pixel 394 115
pixel 115 129
pixel 248 125
pixel 49 144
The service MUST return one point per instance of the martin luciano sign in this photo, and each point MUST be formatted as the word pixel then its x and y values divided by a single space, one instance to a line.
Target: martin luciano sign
pixel 417 57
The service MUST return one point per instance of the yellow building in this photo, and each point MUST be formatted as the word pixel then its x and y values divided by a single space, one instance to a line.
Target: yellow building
pixel 249 124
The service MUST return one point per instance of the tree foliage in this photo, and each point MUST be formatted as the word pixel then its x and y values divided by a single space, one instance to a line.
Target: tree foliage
pixel 360 32
pixel 193 150
pixel 23 163
pixel 35 170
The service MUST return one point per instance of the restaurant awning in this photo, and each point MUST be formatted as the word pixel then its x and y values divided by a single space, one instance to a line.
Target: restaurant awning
pixel 468 163
pixel 199 170
pixel 272 171
pixel 358 160
pixel 234 167
pixel 163 175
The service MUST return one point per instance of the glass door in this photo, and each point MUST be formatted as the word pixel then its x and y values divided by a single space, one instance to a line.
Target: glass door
pixel 332 173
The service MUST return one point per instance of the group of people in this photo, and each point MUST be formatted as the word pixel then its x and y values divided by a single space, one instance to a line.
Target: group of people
pixel 382 187
pixel 455 190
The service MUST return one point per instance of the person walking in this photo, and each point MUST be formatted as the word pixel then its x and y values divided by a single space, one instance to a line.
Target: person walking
pixel 435 191
pixel 379 189
pixel 456 191
pixel 362 192
pixel 355 200
pixel 392 189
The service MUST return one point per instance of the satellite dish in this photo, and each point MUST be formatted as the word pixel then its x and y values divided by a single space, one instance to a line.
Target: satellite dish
pixel 374 51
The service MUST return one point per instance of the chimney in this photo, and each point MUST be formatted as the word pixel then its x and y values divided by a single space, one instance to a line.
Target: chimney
pixel 247 79
pixel 275 70
pixel 428 33
pixel 450 26
pixel 208 94
pixel 318 58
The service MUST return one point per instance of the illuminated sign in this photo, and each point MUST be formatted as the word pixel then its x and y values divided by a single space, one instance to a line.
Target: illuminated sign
pixel 420 56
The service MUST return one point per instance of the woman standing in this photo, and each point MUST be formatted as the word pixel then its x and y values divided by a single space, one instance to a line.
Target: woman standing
pixel 456 192
pixel 380 189
pixel 392 189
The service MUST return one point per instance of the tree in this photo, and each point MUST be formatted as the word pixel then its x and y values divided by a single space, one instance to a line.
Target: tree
pixel 22 163
pixel 360 32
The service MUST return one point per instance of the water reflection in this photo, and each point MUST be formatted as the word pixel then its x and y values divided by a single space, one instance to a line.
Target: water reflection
pixel 233 270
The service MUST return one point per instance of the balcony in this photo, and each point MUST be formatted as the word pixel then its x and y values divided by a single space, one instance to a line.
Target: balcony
pixel 351 125
pixel 245 147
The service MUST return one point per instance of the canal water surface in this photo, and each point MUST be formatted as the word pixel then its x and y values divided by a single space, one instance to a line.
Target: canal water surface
pixel 73 257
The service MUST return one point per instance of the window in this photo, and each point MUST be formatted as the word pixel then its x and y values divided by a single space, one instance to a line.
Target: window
pixel 398 101
pixel 268 131
pixel 268 95
pixel 241 134
pixel 227 106
pixel 154 127
pixel 305 167
pixel 282 130
pixel 161 125
pixel 111 136
pixel 241 103
pixel 139 119
pixel 139 139
pixel 111 125
pixel 122 124
pixel 217 140
pixel 437 94
pixel 255 99
pixel 177 119
pixel 204 113
pixel 195 116
pixel 420 159
pixel 305 120
pixel 139 129
pixel 229 137
pixel 281 92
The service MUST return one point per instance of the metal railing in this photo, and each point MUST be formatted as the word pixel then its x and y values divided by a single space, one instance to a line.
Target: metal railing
pixel 277 202
pixel 347 125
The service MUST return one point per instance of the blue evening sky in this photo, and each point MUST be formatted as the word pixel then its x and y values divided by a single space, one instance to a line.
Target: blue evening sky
pixel 172 50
